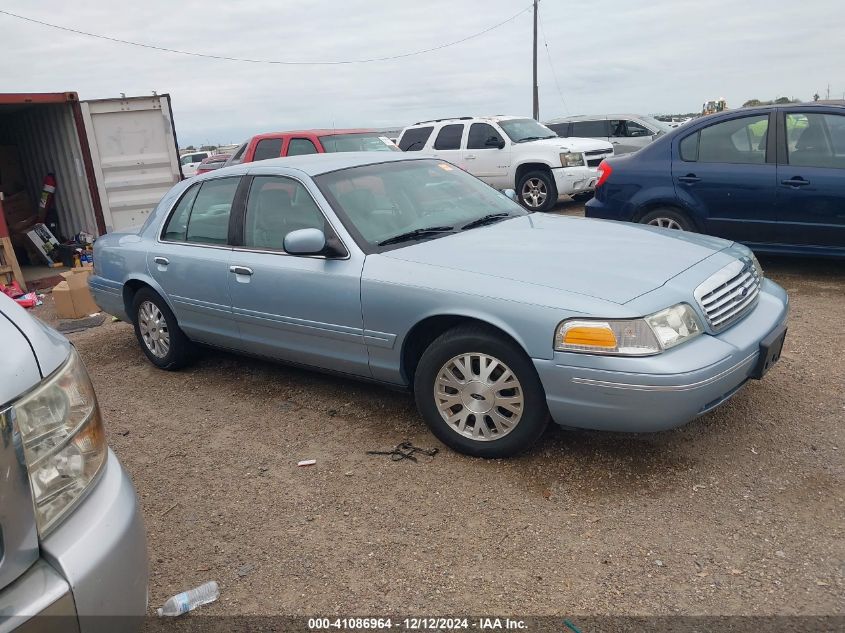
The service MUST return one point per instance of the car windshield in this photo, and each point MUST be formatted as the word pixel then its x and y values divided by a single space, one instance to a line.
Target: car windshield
pixel 521 130
pixel 380 202
pixel 364 142
pixel 660 126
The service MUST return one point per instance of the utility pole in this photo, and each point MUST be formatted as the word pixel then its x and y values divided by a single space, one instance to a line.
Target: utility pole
pixel 536 92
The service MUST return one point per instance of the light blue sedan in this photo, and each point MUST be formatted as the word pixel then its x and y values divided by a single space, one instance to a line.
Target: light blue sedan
pixel 411 272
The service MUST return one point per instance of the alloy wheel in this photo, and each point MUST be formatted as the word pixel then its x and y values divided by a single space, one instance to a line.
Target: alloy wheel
pixel 666 223
pixel 534 193
pixel 479 397
pixel 153 327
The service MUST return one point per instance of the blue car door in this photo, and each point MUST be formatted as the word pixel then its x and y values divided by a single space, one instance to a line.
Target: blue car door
pixel 811 178
pixel 301 309
pixel 190 261
pixel 725 173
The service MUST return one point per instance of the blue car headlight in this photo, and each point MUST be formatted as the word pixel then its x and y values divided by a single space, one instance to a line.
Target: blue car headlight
pixel 629 337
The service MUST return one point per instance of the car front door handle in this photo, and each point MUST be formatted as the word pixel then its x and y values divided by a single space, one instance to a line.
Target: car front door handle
pixel 470 156
pixel 795 182
pixel 161 261
pixel 240 270
pixel 689 178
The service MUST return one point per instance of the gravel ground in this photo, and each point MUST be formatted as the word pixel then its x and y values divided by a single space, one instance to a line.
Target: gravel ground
pixel 739 512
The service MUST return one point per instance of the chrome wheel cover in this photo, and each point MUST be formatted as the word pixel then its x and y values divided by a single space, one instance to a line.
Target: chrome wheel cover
pixel 479 397
pixel 666 223
pixel 153 328
pixel 534 193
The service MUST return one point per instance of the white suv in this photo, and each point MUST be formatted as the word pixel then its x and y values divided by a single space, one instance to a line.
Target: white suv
pixel 512 152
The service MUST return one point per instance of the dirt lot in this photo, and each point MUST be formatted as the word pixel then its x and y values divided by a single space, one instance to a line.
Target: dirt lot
pixel 740 512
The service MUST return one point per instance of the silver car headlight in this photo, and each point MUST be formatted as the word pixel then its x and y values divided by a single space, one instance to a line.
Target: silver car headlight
pixel 572 159
pixel 757 266
pixel 629 337
pixel 63 440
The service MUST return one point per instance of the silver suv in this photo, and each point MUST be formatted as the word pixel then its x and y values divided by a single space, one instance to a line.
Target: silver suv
pixel 73 542
pixel 626 132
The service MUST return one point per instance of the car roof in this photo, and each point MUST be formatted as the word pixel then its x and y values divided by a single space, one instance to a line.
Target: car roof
pixel 460 119
pixel 315 132
pixel 592 117
pixel 316 164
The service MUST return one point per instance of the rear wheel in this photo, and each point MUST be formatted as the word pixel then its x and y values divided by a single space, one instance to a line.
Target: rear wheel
pixel 160 337
pixel 668 218
pixel 537 191
pixel 480 394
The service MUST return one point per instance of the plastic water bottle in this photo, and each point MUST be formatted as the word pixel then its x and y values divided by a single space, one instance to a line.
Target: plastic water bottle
pixel 190 600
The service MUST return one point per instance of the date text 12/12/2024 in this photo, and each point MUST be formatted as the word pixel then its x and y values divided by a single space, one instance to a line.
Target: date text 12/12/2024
pixel 416 624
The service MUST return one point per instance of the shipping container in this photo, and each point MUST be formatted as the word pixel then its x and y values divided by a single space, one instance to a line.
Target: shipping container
pixel 113 159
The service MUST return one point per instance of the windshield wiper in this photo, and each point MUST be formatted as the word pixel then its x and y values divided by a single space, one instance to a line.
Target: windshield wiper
pixel 485 219
pixel 416 234
pixel 533 138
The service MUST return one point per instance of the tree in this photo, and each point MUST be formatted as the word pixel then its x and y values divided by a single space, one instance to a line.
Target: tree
pixel 816 97
pixel 191 148
pixel 782 100
pixel 751 103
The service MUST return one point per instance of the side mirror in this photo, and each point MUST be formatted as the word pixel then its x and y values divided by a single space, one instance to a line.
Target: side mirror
pixel 510 193
pixel 305 242
pixel 494 141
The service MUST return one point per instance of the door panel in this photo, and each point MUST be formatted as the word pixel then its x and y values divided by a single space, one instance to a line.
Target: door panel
pixel 484 158
pixel 298 309
pixel 811 194
pixel 727 180
pixel 447 143
pixel 191 262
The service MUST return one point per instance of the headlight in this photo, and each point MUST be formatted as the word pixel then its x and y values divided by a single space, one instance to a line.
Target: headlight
pixel 572 159
pixel 63 440
pixel 629 337
pixel 757 265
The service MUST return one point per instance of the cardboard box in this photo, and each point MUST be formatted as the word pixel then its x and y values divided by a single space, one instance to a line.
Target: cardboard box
pixel 11 176
pixel 19 212
pixel 72 298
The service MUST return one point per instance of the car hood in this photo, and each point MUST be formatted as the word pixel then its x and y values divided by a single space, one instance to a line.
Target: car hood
pixel 570 144
pixel 613 261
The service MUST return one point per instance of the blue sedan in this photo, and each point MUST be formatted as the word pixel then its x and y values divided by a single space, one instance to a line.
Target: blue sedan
pixel 412 273
pixel 772 178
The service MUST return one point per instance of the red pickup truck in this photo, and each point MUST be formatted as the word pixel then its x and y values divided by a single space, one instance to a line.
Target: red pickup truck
pixel 298 142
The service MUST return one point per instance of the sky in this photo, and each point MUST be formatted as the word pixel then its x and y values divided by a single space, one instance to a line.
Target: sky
pixel 649 57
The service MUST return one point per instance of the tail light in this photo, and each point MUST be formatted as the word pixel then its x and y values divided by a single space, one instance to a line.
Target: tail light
pixel 605 170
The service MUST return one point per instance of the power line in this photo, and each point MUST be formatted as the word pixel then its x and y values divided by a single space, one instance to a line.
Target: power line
pixel 552 66
pixel 266 61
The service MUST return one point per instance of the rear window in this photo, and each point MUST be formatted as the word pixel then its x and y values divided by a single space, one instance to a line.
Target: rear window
pixel 365 142
pixel 414 139
pixel 561 129
pixel 589 129
pixel 268 148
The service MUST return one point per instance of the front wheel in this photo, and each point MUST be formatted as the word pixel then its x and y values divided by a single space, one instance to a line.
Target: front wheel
pixel 480 394
pixel 537 191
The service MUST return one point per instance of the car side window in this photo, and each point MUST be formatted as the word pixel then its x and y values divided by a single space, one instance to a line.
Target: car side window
pixel 300 147
pixel 590 129
pixel 414 139
pixel 449 137
pixel 737 141
pixel 238 158
pixel 268 148
pixel 209 219
pixel 177 226
pixel 815 140
pixel 483 136
pixel 689 148
pixel 634 130
pixel 277 206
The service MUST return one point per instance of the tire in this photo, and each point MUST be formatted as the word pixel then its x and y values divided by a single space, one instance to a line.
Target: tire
pixel 668 218
pixel 149 313
pixel 537 191
pixel 434 391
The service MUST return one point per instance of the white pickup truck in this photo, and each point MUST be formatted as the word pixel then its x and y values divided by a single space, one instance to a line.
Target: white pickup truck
pixel 513 152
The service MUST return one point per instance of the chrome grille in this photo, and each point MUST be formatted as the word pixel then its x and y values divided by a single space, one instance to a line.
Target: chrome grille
pixel 729 294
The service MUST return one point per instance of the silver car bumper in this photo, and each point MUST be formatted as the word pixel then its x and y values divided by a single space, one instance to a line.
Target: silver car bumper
pixel 664 391
pixel 93 565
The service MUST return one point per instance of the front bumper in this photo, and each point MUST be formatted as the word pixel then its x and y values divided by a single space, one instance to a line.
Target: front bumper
pixel 574 180
pixel 93 565
pixel 663 391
